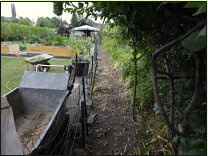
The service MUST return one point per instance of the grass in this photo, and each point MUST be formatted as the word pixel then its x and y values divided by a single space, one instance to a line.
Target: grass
pixel 12 69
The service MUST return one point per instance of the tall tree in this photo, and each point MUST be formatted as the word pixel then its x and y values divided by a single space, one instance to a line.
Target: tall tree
pixel 55 22
pixel 43 22
pixel 60 30
pixel 24 21
pixel 13 10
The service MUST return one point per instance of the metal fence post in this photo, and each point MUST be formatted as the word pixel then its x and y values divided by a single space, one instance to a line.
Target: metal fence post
pixel 83 127
pixel 85 104
pixel 95 49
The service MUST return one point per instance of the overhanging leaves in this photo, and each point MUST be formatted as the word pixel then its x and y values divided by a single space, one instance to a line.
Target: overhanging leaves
pixel 203 32
pixel 194 44
pixel 202 9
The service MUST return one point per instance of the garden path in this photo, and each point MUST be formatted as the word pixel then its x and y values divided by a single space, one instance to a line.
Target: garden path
pixel 113 133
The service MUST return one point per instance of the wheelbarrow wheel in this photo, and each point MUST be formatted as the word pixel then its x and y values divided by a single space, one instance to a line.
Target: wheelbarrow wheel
pixel 38 68
pixel 46 68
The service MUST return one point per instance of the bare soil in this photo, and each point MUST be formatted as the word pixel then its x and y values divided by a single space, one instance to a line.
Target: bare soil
pixel 29 127
pixel 113 133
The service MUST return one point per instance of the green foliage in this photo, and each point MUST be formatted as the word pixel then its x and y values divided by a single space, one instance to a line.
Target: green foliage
pixel 193 146
pixel 54 22
pixel 203 32
pixel 14 31
pixel 194 44
pixel 57 8
pixel 201 9
pixel 22 47
pixel 3 19
pixel 157 23
pixel 13 20
pixel 200 5
pixel 61 28
pixel 32 39
pixel 74 19
pixel 43 22
pixel 24 21
pixel 81 46
pixel 56 41
pixel 121 53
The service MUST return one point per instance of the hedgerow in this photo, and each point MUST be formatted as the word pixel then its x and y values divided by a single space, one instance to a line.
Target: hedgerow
pixel 15 31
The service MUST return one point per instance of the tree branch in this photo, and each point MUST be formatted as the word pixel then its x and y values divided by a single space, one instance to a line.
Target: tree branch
pixel 148 44
pixel 70 3
pixel 165 73
pixel 172 43
pixel 172 92
pixel 154 79
pixel 158 100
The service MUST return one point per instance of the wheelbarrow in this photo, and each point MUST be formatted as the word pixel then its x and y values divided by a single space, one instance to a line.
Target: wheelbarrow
pixel 37 111
pixel 35 59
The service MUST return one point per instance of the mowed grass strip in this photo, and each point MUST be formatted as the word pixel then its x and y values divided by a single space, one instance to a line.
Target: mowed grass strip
pixel 13 68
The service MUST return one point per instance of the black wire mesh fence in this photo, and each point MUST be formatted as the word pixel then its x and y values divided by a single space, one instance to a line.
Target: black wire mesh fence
pixel 71 133
pixel 92 71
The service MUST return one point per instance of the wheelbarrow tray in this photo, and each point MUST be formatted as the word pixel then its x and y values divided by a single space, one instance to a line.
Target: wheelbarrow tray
pixel 38 109
pixel 36 58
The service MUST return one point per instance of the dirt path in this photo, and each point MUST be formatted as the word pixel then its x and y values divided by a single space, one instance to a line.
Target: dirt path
pixel 113 131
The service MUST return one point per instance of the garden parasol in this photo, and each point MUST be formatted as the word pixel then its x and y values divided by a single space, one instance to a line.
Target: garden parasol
pixel 86 28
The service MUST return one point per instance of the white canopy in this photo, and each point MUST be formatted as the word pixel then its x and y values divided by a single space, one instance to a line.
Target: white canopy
pixel 85 27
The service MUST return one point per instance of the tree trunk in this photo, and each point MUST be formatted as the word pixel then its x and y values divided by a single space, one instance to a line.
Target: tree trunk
pixel 158 100
pixel 155 85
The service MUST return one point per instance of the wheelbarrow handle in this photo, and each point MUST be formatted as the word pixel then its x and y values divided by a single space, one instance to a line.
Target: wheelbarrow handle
pixel 21 57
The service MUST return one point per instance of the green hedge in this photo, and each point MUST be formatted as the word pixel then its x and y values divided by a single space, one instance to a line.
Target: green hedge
pixel 15 31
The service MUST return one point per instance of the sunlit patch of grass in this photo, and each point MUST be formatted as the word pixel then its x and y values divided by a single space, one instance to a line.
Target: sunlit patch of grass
pixel 12 69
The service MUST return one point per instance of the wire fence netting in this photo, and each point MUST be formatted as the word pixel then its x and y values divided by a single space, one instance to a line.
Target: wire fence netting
pixel 65 137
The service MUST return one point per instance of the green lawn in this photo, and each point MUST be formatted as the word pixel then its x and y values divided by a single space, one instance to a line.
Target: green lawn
pixel 13 68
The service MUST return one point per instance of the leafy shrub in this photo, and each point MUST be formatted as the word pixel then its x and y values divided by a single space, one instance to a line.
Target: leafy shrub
pixel 32 39
pixel 120 54
pixel 56 41
pixel 22 47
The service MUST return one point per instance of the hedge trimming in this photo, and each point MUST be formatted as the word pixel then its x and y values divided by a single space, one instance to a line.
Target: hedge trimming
pixel 15 31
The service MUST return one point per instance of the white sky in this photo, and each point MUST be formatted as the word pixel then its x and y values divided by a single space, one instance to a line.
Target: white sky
pixel 33 10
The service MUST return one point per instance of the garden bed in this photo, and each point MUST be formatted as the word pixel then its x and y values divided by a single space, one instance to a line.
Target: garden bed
pixel 54 50
pixel 9 48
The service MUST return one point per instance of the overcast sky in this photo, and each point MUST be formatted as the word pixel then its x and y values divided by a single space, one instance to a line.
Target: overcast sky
pixel 32 10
